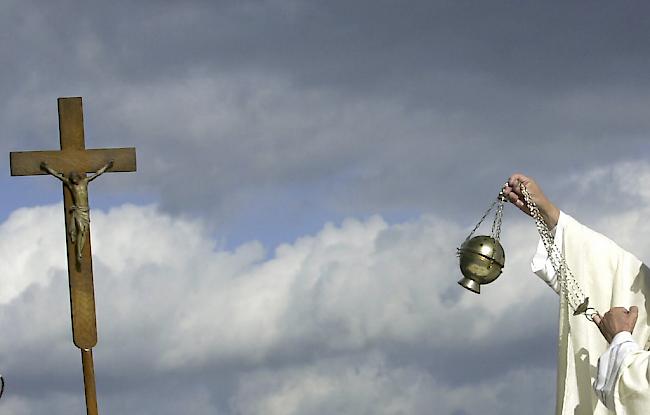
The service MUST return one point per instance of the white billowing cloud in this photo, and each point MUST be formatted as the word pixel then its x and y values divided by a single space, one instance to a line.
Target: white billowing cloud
pixel 630 178
pixel 368 385
pixel 171 301
pixel 352 386
pixel 28 242
pixel 615 199
pixel 178 302
pixel 343 289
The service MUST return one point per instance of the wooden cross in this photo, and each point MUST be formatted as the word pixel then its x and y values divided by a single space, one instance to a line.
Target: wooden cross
pixel 73 159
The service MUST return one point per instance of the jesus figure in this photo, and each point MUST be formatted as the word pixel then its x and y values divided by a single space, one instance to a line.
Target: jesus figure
pixel 78 186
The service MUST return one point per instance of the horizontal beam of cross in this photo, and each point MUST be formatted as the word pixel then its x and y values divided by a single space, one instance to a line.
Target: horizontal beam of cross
pixel 27 163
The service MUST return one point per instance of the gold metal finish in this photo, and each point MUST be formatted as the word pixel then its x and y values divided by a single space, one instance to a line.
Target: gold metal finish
pixel 582 308
pixel 481 261
pixel 482 257
pixel 74 157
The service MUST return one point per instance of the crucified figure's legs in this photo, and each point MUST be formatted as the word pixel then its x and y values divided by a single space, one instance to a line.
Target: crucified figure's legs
pixel 73 231
pixel 81 238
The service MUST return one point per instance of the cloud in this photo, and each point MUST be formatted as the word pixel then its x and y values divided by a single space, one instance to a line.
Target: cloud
pixel 173 304
pixel 614 200
pixel 39 248
pixel 369 385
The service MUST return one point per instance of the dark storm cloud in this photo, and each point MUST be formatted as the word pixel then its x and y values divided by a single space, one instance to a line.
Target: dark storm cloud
pixel 537 46
pixel 381 105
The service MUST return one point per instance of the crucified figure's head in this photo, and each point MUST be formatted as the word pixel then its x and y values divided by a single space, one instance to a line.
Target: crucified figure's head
pixel 74 177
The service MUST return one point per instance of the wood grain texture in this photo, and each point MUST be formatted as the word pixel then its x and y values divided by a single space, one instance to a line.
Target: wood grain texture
pixel 71 123
pixel 89 381
pixel 28 163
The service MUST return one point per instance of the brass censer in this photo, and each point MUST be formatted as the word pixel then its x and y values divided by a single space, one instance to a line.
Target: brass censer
pixel 482 257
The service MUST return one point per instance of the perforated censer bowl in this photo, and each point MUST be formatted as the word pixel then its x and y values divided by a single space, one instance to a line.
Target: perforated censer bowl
pixel 481 262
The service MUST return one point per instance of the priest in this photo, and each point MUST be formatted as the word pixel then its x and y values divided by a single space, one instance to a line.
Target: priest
pixel 603 366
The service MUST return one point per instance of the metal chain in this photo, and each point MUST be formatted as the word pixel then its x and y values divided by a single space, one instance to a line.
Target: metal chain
pixel 496 225
pixel 569 286
pixel 487 212
pixel 498 217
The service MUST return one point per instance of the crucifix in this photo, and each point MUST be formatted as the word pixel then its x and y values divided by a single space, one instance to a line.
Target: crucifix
pixel 70 165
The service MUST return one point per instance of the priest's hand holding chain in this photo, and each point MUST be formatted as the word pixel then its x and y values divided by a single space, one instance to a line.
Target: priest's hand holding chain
pixel 512 192
pixel 616 320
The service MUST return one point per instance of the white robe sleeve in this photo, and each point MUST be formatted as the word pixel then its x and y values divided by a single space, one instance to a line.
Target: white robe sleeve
pixel 631 394
pixel 541 265
pixel 609 366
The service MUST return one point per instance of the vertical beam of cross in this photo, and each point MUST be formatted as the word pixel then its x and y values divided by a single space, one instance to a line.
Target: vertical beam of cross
pixel 74 159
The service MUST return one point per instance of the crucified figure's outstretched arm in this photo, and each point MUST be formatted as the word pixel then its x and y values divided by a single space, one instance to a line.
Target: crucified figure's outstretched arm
pixel 53 172
pixel 101 171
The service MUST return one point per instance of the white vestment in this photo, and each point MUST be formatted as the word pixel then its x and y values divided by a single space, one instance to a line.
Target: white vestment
pixel 610 277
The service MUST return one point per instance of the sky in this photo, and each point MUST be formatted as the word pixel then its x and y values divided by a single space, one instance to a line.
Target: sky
pixel 306 171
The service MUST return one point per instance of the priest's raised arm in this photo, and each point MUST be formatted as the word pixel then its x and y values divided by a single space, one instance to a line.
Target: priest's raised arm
pixel 594 375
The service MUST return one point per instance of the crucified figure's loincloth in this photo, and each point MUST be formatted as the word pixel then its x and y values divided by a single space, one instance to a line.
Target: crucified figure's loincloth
pixel 81 222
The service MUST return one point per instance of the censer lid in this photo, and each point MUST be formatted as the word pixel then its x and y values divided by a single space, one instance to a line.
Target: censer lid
pixel 485 246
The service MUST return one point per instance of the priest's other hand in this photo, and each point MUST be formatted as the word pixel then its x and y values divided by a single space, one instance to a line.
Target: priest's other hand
pixel 616 320
pixel 512 192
